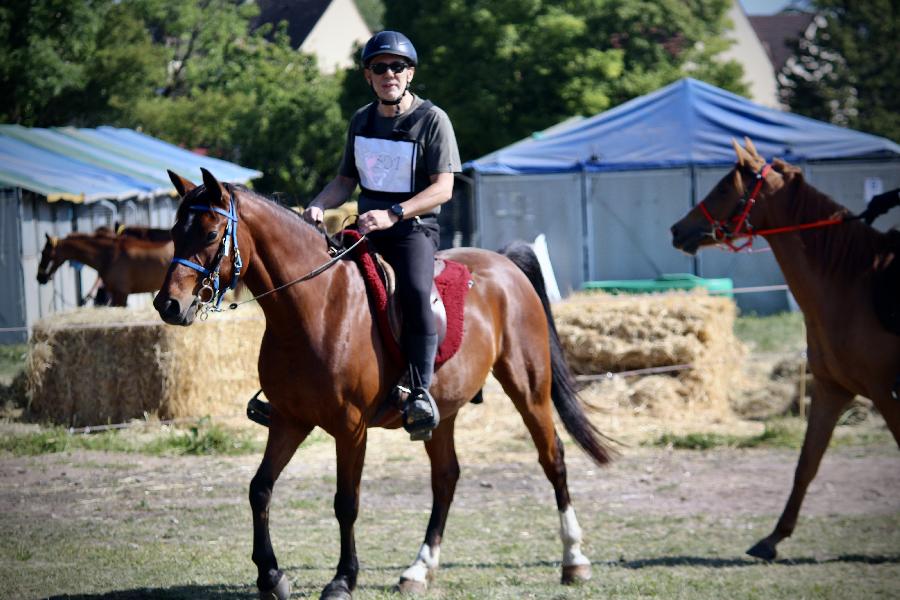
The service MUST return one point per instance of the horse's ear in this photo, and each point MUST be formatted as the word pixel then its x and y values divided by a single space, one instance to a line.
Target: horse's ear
pixel 742 157
pixel 212 184
pixel 182 185
pixel 750 147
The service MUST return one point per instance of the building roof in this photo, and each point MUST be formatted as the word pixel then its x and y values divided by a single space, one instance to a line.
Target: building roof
pixel 688 122
pixel 777 31
pixel 107 163
pixel 301 17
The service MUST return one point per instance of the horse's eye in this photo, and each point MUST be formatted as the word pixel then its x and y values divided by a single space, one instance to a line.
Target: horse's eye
pixel 212 236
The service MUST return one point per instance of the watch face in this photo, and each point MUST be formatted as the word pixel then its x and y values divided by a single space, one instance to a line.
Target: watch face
pixel 397 210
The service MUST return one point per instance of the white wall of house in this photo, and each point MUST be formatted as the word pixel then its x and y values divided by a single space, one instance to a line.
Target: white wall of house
pixel 333 36
pixel 759 74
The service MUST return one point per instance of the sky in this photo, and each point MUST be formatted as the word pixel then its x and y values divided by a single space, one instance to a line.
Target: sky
pixel 763 7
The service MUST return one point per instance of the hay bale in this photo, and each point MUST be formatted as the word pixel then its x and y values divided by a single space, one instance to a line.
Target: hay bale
pixel 98 366
pixel 611 333
pixel 339 218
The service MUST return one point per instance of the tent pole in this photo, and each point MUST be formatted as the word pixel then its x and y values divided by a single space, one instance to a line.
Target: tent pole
pixel 695 260
pixel 586 233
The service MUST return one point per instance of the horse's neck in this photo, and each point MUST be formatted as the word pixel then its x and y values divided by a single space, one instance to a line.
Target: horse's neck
pixel 90 251
pixel 804 271
pixel 284 249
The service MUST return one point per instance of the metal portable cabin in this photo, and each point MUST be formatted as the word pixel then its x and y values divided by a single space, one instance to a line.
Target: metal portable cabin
pixel 606 189
pixel 59 180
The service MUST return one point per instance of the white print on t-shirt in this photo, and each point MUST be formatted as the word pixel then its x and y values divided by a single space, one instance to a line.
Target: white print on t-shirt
pixel 385 165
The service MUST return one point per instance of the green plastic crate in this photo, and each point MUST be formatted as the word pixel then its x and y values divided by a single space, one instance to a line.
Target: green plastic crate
pixel 673 281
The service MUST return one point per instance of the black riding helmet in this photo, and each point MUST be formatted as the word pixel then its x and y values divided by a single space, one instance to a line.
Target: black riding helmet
pixel 389 42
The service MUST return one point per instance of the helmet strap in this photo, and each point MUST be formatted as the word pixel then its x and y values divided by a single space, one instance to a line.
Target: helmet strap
pixel 396 102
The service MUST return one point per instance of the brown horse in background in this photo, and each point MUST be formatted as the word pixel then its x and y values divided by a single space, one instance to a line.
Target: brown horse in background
pixel 830 270
pixel 125 264
pixel 323 364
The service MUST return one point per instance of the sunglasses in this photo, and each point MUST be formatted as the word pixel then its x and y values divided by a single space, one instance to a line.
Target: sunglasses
pixel 395 67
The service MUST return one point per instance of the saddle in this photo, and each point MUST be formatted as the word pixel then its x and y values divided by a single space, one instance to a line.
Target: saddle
pixel 450 285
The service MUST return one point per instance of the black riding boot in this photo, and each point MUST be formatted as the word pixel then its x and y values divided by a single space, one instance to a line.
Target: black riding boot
pixel 420 412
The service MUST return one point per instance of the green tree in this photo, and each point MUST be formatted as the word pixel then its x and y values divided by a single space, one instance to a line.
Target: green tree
pixel 73 61
pixel 505 68
pixel 846 73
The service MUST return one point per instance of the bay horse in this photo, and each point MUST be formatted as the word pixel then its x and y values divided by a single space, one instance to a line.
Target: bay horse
pixel 830 264
pixel 323 363
pixel 125 264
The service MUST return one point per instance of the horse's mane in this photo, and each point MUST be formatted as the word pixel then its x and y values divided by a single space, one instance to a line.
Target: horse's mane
pixel 283 211
pixel 848 249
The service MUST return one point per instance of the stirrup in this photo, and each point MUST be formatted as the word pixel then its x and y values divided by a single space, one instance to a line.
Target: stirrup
pixel 258 410
pixel 420 415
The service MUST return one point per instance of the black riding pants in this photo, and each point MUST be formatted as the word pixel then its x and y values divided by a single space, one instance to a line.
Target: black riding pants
pixel 409 248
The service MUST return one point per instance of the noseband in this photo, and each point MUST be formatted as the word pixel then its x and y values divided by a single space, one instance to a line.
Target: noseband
pixel 210 286
pixel 722 231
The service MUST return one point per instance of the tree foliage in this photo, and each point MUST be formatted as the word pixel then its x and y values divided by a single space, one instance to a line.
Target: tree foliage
pixel 194 73
pixel 505 68
pixel 847 72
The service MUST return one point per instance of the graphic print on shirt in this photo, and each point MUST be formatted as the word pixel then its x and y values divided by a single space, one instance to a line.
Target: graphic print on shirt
pixel 385 165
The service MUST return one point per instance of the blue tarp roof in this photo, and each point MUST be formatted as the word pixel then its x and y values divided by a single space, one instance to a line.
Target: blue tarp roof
pixel 687 122
pixel 84 165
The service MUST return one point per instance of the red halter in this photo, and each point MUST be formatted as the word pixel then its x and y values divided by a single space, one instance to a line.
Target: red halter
pixel 742 226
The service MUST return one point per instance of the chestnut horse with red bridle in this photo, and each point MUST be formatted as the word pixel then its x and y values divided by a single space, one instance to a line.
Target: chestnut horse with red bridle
pixel 830 263
pixel 323 363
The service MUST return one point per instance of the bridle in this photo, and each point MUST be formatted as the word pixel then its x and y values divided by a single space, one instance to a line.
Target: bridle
pixel 723 233
pixel 210 284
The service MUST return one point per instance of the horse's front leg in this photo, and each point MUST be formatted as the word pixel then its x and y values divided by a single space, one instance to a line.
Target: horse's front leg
pixel 351 454
pixel 827 405
pixel 444 475
pixel 280 447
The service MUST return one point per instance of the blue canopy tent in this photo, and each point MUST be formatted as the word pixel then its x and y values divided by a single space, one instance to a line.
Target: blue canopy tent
pixel 55 181
pixel 622 177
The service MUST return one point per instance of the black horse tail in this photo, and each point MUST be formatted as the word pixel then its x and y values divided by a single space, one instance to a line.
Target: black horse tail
pixel 562 389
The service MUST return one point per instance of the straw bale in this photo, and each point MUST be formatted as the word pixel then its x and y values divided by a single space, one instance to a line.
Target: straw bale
pixel 612 333
pixel 97 366
pixel 339 218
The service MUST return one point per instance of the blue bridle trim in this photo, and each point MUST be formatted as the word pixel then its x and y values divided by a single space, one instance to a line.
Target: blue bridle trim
pixel 230 233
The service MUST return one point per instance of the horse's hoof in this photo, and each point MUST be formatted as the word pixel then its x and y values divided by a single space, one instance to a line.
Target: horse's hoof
pixel 763 549
pixel 281 591
pixel 336 590
pixel 575 574
pixel 412 587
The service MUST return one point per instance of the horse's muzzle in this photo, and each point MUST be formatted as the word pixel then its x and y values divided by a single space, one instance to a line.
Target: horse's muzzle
pixel 170 310
pixel 686 239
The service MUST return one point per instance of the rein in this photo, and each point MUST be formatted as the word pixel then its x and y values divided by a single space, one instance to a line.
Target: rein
pixel 317 271
pixel 210 283
pixel 722 233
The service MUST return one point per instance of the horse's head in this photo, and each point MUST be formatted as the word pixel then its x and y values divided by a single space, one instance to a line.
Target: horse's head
pixel 728 209
pixel 207 259
pixel 49 262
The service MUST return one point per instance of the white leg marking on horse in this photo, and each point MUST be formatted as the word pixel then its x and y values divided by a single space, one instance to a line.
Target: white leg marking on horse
pixel 427 560
pixel 570 533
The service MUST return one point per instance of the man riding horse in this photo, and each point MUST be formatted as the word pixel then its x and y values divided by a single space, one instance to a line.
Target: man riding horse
pixel 402 152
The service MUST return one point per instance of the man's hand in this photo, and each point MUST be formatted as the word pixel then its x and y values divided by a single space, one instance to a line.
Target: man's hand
pixel 314 214
pixel 879 205
pixel 376 220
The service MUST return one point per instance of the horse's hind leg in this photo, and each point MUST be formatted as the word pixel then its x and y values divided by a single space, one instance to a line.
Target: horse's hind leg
pixel 444 475
pixel 532 400
pixel 280 447
pixel 826 407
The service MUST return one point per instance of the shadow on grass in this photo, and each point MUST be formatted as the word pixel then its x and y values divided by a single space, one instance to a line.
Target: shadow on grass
pixel 717 563
pixel 206 592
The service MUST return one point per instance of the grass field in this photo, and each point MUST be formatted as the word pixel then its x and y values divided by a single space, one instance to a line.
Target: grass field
pixel 161 512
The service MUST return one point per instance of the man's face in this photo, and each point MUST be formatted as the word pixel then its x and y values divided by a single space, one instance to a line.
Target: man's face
pixel 389 85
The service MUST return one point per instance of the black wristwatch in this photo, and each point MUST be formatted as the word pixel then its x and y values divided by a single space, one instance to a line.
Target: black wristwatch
pixel 397 209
